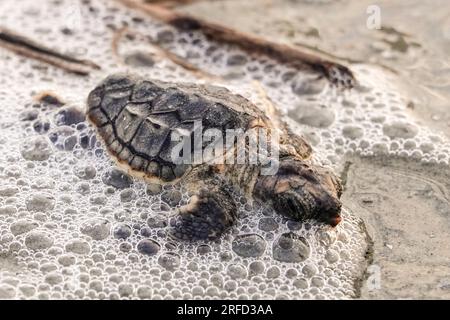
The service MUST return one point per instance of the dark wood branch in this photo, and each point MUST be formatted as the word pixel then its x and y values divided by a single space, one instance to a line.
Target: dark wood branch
pixel 31 49
pixel 334 72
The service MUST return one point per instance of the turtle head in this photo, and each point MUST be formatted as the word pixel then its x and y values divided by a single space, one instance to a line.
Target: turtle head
pixel 301 191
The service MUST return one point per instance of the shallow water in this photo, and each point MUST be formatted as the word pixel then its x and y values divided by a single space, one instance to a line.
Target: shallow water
pixel 66 233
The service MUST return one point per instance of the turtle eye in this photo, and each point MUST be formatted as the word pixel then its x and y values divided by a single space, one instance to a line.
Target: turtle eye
pixel 290 208
pixel 289 205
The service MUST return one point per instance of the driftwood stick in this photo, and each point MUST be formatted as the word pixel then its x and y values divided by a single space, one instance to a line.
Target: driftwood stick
pixel 252 44
pixel 31 49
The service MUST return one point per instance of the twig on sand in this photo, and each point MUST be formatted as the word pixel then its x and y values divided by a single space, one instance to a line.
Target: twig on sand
pixel 117 37
pixel 161 52
pixel 171 3
pixel 49 97
pixel 31 49
pixel 183 63
pixel 334 72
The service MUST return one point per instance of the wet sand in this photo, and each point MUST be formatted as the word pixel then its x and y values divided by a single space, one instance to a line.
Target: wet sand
pixel 405 206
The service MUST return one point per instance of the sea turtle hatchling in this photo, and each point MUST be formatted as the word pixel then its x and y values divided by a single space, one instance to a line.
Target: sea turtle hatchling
pixel 136 119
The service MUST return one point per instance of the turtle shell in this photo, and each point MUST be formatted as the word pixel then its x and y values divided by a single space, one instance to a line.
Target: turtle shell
pixel 136 118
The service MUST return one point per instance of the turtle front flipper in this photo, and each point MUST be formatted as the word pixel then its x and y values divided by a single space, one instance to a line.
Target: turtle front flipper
pixel 210 212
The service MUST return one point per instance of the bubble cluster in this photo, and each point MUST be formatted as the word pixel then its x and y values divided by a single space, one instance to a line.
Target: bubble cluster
pixel 74 226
